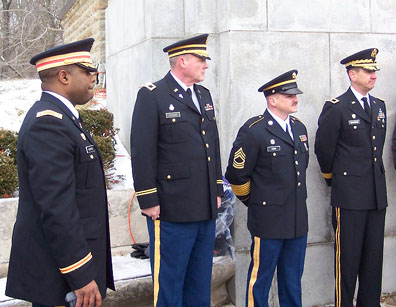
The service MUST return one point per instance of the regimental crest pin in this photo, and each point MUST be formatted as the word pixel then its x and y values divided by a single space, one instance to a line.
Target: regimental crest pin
pixel 171 107
pixel 181 96
pixel 353 116
pixel 272 141
pixel 270 122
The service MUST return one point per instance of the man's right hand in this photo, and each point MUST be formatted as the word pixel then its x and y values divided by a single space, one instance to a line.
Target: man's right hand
pixel 88 296
pixel 153 212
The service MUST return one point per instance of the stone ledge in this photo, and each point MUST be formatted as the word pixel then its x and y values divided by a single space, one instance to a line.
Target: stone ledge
pixel 137 290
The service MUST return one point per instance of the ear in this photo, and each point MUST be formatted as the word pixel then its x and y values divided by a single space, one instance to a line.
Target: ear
pixel 352 75
pixel 271 100
pixel 63 77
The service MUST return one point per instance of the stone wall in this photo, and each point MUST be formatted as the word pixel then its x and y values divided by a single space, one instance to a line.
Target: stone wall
pixel 251 42
pixel 86 18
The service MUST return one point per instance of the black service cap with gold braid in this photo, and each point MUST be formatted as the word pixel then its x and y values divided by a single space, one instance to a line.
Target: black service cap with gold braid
pixel 73 53
pixel 363 59
pixel 195 45
pixel 283 84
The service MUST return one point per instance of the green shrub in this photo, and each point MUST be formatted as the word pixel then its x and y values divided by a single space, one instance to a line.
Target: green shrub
pixel 8 175
pixel 99 122
pixel 8 143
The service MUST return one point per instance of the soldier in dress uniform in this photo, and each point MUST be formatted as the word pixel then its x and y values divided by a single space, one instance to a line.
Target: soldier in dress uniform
pixel 177 175
pixel 61 240
pixel 349 144
pixel 266 170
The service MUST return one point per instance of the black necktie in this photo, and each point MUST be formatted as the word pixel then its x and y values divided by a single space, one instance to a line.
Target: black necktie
pixel 367 108
pixel 189 92
pixel 287 131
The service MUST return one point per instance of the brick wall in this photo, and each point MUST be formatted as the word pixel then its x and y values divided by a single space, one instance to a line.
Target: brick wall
pixel 83 19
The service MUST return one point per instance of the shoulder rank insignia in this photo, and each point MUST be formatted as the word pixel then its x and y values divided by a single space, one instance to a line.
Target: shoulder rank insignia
pixel 333 100
pixel 239 159
pixel 383 100
pixel 254 120
pixel 148 85
pixel 50 113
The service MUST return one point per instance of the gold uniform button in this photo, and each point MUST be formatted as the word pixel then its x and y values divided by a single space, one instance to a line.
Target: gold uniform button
pixel 296 162
pixel 203 132
pixel 207 145
pixel 295 152
pixel 354 127
pixel 373 137
pixel 264 203
pixel 173 120
pixel 299 184
pixel 375 148
pixel 274 154
pixel 91 156
pixel 168 177
pixel 208 159
pixel 375 159
pixel 345 173
pixel 298 173
pixel 203 119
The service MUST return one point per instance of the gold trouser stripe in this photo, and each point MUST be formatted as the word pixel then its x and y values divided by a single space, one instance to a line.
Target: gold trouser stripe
pixel 76 265
pixel 338 258
pixel 253 276
pixel 157 259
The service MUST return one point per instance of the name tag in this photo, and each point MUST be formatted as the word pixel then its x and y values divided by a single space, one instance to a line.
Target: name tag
pixel 273 148
pixel 353 122
pixel 172 114
pixel 90 149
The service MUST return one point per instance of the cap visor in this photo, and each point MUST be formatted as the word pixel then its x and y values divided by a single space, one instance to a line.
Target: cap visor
pixel 90 69
pixel 292 91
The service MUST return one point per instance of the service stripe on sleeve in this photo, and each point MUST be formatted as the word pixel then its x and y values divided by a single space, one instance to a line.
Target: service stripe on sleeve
pixel 242 189
pixel 76 265
pixel 219 181
pixel 146 192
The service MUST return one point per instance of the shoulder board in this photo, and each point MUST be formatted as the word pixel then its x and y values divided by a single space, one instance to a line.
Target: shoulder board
pixel 295 118
pixel 383 100
pixel 254 120
pixel 50 113
pixel 149 86
pixel 333 100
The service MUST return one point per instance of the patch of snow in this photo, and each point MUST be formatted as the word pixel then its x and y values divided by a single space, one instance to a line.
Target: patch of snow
pixel 16 98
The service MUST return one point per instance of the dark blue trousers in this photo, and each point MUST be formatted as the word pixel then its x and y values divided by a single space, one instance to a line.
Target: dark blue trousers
pixel 181 256
pixel 288 257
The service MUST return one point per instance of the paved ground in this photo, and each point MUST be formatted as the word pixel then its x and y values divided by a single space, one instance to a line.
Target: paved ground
pixel 387 300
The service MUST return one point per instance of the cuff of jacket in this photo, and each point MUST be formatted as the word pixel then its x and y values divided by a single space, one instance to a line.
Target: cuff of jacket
pixel 147 198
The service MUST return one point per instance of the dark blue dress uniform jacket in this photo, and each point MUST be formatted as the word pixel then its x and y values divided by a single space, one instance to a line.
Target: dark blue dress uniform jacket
pixel 175 152
pixel 61 237
pixel 349 149
pixel 266 170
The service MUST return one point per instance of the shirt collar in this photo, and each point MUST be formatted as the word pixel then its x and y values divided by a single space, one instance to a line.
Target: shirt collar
pixel 280 121
pixel 66 102
pixel 184 87
pixel 360 96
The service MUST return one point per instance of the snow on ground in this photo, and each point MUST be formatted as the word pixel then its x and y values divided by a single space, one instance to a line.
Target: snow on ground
pixel 17 96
